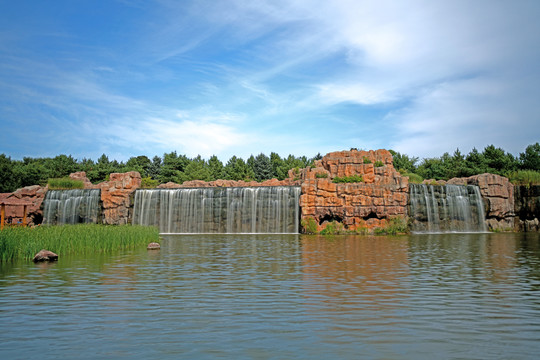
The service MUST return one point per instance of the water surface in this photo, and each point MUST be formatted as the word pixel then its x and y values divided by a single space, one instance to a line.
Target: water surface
pixel 457 296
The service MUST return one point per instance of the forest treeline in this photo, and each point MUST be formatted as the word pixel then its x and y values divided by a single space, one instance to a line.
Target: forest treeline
pixel 15 174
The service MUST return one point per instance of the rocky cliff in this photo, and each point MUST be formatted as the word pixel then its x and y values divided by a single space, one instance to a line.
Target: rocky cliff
pixel 527 208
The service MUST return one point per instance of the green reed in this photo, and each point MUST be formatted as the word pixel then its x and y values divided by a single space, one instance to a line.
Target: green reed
pixel 24 242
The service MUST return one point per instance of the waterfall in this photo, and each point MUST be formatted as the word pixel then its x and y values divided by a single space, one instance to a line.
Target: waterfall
pixel 448 208
pixel 269 209
pixel 71 206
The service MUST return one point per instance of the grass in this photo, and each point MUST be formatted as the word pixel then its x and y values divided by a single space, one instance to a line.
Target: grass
pixel 378 163
pixel 525 178
pixel 414 178
pixel 309 225
pixel 23 242
pixel 321 175
pixel 349 179
pixel 396 225
pixel 64 184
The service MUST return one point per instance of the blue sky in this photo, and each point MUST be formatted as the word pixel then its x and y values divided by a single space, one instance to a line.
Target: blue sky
pixel 129 78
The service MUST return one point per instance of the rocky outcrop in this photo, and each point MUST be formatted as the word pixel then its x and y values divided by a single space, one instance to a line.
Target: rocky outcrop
pixel 32 196
pixel 381 195
pixel 81 176
pixel 498 195
pixel 116 197
pixel 527 208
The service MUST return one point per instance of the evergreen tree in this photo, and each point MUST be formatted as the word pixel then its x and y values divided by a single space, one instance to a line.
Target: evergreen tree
pixel 530 159
pixel 215 166
pixel 262 167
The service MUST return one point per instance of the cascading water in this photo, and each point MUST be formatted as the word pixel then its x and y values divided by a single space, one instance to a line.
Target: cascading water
pixel 71 206
pixel 447 208
pixel 272 209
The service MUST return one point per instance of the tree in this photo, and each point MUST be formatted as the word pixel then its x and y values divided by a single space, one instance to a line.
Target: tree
pixel 8 181
pixel 404 162
pixel 498 161
pixel 262 167
pixel 237 169
pixel 155 168
pixel 197 169
pixel 530 159
pixel 172 166
pixel 215 166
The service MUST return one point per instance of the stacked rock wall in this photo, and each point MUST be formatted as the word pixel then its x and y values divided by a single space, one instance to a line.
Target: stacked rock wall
pixel 381 195
pixel 32 195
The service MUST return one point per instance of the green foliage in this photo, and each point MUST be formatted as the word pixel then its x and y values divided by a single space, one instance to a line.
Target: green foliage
pixel 321 175
pixel 237 169
pixel 396 225
pixel 530 159
pixel 402 161
pixel 525 177
pixel 378 163
pixel 309 225
pixel 24 242
pixel 196 169
pixel 149 183
pixel 262 168
pixel 366 160
pixel 349 179
pixel 333 228
pixel 65 184
pixel 215 167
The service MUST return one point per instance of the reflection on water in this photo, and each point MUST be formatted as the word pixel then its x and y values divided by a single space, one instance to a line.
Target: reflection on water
pixel 472 296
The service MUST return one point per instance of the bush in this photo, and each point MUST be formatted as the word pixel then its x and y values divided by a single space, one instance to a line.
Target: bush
pixel 321 175
pixel 309 225
pixel 379 163
pixel 333 228
pixel 65 184
pixel 349 179
pixel 149 183
pixel 366 160
pixel 396 225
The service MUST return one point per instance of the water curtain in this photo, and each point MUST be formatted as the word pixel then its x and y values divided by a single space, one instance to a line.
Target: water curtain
pixel 71 206
pixel 270 209
pixel 446 208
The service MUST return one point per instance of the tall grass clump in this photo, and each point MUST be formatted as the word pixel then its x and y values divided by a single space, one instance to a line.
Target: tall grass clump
pixel 414 178
pixel 24 243
pixel 65 184
pixel 525 177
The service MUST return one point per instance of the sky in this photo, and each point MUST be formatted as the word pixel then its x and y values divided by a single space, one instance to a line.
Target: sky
pixel 147 77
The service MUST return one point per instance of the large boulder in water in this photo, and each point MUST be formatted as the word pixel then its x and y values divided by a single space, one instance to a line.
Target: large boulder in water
pixel 45 255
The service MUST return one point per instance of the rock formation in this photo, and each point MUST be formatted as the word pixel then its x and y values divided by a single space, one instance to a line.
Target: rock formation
pixel 498 195
pixel 116 196
pixel 381 195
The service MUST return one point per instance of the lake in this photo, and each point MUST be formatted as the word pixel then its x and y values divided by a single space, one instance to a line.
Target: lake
pixel 446 296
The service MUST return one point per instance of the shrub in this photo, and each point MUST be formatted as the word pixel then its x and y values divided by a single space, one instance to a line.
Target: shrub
pixel 396 225
pixel 379 163
pixel 366 160
pixel 349 179
pixel 333 228
pixel 309 225
pixel 149 183
pixel 321 175
pixel 65 184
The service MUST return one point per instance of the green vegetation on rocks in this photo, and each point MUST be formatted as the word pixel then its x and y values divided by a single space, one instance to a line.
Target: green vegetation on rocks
pixel 65 184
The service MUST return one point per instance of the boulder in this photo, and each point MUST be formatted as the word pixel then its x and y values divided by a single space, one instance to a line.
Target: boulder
pixel 45 255
pixel 153 246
